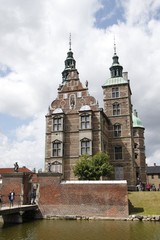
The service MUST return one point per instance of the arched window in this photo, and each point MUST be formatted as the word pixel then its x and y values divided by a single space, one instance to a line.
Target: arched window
pixel 116 109
pixel 117 130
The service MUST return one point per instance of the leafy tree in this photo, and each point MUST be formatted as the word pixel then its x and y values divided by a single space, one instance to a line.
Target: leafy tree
pixel 92 168
pixel 83 167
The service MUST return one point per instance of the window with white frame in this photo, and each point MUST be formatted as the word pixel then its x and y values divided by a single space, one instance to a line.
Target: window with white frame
pixel 85 121
pixel 85 146
pixel 56 167
pixel 117 130
pixel 57 148
pixel 118 152
pixel 116 109
pixel 57 123
pixel 115 92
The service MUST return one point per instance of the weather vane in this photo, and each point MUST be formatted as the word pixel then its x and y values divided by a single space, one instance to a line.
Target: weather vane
pixel 70 41
pixel 114 46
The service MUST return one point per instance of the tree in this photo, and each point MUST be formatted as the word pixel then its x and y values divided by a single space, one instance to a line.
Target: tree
pixel 92 168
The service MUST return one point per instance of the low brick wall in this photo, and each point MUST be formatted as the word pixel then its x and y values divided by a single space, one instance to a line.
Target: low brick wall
pixel 20 183
pixel 56 197
pixel 82 198
pixel 12 181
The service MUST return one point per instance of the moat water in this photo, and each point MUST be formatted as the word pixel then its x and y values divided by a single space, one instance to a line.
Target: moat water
pixel 79 230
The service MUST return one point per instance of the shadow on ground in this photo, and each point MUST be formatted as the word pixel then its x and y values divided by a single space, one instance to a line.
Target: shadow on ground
pixel 134 210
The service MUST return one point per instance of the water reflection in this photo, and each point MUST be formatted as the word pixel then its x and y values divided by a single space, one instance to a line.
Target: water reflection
pixel 78 230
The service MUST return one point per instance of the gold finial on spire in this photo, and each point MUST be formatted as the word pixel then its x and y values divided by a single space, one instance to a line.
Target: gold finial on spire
pixel 70 41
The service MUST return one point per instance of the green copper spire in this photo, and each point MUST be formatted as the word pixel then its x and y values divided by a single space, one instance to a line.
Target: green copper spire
pixel 70 63
pixel 137 123
pixel 117 76
pixel 116 69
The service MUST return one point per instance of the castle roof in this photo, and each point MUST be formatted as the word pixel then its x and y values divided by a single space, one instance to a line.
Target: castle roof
pixel 11 170
pixel 115 81
pixel 137 123
pixel 153 170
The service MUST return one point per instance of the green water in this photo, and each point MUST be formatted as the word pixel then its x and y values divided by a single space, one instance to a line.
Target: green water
pixel 79 230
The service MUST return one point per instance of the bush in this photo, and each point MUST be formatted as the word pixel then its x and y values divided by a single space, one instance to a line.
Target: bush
pixel 92 168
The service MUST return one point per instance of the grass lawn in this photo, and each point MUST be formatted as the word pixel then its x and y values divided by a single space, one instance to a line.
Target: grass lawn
pixel 144 203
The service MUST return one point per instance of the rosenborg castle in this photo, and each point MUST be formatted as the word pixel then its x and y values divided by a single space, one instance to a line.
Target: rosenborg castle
pixel 75 125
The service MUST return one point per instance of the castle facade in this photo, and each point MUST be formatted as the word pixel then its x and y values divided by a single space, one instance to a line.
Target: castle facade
pixel 76 125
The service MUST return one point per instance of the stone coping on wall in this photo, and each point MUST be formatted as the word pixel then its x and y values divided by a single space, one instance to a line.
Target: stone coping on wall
pixel 129 218
pixel 95 182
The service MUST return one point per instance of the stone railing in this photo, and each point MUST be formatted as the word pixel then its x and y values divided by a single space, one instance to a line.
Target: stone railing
pixel 4 200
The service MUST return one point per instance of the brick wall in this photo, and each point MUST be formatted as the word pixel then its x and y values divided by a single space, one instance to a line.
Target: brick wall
pixel 21 184
pixel 10 182
pixel 78 198
pixel 94 198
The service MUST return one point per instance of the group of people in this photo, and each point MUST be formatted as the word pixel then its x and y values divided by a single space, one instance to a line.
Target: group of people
pixel 150 187
pixel 11 197
pixel 147 187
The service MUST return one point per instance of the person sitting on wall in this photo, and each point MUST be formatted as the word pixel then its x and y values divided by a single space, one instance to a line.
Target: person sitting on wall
pixel 16 167
pixel 11 197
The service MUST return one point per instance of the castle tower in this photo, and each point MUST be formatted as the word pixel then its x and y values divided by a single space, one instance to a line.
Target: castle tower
pixel 75 124
pixel 118 108
pixel 139 148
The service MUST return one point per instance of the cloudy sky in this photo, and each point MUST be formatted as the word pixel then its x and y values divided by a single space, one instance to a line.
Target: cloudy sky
pixel 34 40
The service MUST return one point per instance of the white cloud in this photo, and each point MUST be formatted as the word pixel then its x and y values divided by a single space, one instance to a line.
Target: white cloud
pixel 34 44
pixel 28 146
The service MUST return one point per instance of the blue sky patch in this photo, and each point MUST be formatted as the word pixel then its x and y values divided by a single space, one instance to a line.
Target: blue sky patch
pixel 4 70
pixel 8 124
pixel 110 14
